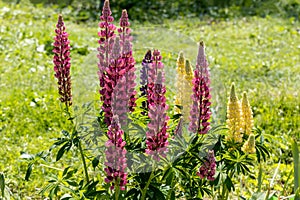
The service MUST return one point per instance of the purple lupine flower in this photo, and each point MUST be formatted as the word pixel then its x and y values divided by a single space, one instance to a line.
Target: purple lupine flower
pixel 106 43
pixel 144 78
pixel 200 109
pixel 113 73
pixel 157 136
pixel 115 156
pixel 208 169
pixel 62 62
pixel 129 62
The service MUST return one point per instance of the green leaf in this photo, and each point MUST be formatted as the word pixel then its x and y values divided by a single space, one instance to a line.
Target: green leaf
pixel 66 197
pixel 157 193
pixel 2 184
pixel 66 170
pixel 229 184
pixel 28 172
pixel 62 150
pixel 131 192
pixel 95 162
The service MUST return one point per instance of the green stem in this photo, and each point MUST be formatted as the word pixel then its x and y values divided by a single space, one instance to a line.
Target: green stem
pixel 117 191
pixel 144 191
pixel 83 161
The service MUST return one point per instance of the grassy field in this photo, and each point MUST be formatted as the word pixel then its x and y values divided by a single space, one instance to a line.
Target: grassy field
pixel 261 55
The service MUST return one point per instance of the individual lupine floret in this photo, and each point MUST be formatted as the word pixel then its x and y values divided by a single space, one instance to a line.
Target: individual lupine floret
pixel 187 91
pixel 106 43
pixel 208 168
pixel 249 145
pixel 234 118
pixel 62 62
pixel 179 82
pixel 247 115
pixel 157 136
pixel 200 109
pixel 115 156
pixel 129 62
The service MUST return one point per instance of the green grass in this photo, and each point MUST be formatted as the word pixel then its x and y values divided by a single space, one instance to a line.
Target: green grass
pixel 261 55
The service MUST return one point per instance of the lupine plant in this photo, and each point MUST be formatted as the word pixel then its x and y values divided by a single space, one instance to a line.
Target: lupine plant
pixel 144 150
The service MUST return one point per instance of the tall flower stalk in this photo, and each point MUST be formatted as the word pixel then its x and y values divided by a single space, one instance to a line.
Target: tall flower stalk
pixel 247 115
pixel 180 82
pixel 128 60
pixel 157 136
pixel 62 62
pixel 106 43
pixel 234 118
pixel 187 91
pixel 200 110
pixel 62 67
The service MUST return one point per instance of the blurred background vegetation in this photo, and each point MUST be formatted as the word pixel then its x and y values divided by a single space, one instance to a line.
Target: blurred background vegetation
pixel 157 10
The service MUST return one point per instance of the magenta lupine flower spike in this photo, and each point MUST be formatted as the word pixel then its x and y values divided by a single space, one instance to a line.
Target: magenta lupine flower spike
pixel 208 169
pixel 112 74
pixel 115 156
pixel 128 60
pixel 106 43
pixel 200 110
pixel 62 62
pixel 157 136
pixel 144 78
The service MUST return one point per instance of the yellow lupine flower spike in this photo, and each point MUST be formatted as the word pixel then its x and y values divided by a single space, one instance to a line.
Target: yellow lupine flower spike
pixel 180 80
pixel 187 90
pixel 234 118
pixel 249 146
pixel 247 115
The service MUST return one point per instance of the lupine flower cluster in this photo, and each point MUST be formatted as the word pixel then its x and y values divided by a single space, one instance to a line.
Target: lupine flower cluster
pixel 106 43
pixel 234 118
pixel 116 75
pixel 249 145
pixel 208 169
pixel 115 61
pixel 180 81
pixel 239 117
pixel 157 136
pixel 128 59
pixel 62 62
pixel 187 91
pixel 115 156
pixel 247 115
pixel 200 110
